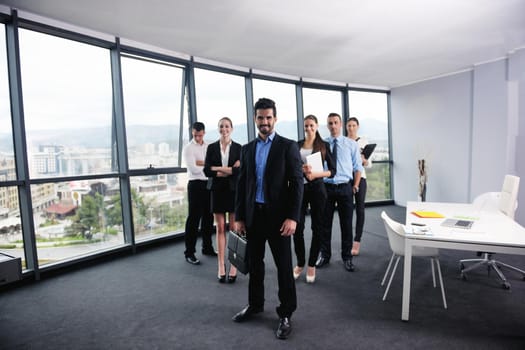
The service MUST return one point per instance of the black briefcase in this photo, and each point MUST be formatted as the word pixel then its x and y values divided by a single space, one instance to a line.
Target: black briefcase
pixel 238 251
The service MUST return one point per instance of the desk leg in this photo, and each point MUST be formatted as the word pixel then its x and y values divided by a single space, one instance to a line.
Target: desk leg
pixel 407 271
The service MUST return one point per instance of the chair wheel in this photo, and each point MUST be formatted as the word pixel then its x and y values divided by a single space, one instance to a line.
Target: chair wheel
pixel 505 285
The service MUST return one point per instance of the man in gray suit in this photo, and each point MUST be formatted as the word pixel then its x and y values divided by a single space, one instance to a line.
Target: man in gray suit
pixel 267 207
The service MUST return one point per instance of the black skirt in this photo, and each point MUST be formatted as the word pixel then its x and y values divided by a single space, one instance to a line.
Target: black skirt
pixel 222 201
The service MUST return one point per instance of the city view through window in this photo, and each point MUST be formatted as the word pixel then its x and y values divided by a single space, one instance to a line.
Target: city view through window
pixel 73 142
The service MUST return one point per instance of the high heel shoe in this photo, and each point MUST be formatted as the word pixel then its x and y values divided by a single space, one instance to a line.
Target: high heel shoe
pixel 231 279
pixel 222 278
pixel 310 278
pixel 297 272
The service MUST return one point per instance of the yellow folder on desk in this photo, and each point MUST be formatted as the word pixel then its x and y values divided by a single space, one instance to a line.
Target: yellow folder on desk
pixel 427 214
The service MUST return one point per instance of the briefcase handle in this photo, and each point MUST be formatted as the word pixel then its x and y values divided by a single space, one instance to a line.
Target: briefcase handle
pixel 240 234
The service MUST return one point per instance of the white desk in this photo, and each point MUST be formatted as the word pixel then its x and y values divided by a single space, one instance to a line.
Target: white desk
pixel 491 231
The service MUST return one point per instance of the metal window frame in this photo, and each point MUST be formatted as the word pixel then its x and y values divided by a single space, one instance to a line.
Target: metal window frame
pixel 119 155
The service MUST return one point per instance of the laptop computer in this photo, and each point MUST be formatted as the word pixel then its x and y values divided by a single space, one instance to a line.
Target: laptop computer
pixel 457 223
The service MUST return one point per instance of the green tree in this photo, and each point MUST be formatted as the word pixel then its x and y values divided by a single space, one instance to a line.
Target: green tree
pixel 113 211
pixel 139 210
pixel 88 218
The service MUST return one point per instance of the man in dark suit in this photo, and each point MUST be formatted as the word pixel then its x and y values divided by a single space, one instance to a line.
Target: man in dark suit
pixel 267 207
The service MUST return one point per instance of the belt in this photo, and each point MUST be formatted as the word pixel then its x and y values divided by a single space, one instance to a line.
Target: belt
pixel 338 185
pixel 261 206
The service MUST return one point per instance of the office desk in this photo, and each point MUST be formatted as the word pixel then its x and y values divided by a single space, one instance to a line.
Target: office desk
pixel 492 231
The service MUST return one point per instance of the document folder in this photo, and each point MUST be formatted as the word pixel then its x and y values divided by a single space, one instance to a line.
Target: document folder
pixel 315 161
pixel 427 214
pixel 368 149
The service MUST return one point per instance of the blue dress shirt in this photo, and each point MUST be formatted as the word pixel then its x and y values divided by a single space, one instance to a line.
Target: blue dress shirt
pixel 262 148
pixel 348 159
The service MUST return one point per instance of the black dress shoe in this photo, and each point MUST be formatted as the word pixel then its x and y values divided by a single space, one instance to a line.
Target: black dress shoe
pixel 222 278
pixel 349 266
pixel 284 329
pixel 231 279
pixel 209 252
pixel 322 261
pixel 192 260
pixel 246 313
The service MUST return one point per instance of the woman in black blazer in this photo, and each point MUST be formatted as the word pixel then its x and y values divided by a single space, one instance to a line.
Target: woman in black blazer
pixel 314 195
pixel 222 167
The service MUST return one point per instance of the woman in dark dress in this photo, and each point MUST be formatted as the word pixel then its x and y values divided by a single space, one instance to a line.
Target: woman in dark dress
pixel 222 167
pixel 314 195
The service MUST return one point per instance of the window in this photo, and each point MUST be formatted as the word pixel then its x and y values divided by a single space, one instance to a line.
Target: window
pixel 221 95
pixel 11 240
pixel 321 103
pixel 371 109
pixel 6 136
pixel 152 106
pixel 76 218
pixel 68 118
pixel 67 106
pixel 159 205
pixel 284 96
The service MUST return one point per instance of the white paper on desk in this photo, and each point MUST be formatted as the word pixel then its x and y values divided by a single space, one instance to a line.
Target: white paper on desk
pixel 315 161
pixel 417 230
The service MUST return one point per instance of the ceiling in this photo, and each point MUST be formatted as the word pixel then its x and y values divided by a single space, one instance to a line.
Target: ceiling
pixel 377 43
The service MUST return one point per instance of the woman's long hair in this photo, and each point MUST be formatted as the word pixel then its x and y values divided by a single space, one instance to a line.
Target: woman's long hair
pixel 319 145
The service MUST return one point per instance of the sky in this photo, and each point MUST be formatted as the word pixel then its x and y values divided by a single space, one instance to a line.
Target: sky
pixel 67 85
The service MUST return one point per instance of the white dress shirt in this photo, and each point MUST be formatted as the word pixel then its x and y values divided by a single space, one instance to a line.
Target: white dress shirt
pixel 193 152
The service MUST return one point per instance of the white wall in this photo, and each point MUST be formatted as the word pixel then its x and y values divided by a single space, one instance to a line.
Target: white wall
pixel 430 120
pixel 516 74
pixel 489 128
pixel 470 127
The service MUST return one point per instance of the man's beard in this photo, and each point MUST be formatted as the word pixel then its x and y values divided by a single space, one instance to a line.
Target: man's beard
pixel 265 129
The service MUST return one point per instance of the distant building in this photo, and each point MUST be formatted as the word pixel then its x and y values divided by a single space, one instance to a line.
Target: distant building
pixel 164 148
pixel 47 160
pixel 60 210
pixel 148 148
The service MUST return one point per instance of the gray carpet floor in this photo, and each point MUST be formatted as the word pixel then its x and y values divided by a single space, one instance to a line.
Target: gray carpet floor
pixel 155 300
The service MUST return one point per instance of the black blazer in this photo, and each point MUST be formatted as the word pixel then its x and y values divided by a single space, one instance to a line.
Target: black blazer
pixel 213 158
pixel 328 158
pixel 283 182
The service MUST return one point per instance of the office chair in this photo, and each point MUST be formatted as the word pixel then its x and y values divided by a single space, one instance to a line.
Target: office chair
pixel 396 238
pixel 506 202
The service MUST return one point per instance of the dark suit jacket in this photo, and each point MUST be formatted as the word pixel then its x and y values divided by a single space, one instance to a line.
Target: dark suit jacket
pixel 213 158
pixel 283 182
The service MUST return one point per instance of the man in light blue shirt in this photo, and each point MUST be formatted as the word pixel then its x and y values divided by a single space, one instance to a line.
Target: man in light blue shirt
pixel 340 190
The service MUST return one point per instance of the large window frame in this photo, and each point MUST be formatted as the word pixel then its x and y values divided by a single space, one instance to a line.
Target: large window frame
pixel 379 165
pixel 119 153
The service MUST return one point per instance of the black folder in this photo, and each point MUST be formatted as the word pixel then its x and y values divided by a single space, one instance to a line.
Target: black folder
pixel 368 149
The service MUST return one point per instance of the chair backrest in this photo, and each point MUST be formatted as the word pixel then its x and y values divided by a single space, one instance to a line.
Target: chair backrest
pixel 488 201
pixel 396 234
pixel 509 195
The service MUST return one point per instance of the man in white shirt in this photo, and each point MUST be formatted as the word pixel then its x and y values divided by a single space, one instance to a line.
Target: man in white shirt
pixel 198 197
